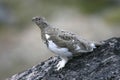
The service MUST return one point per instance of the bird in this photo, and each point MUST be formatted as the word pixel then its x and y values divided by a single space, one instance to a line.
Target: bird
pixel 64 43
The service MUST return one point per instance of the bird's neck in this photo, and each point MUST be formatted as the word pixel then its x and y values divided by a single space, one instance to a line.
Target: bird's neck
pixel 45 31
pixel 43 25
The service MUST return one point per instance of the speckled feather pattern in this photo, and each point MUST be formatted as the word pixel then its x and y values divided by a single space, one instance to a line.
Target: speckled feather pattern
pixel 63 43
pixel 72 42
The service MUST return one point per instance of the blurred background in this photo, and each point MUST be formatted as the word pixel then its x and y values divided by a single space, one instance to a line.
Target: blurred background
pixel 21 46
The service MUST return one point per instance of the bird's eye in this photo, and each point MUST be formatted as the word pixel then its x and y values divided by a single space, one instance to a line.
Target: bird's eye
pixel 39 19
pixel 36 18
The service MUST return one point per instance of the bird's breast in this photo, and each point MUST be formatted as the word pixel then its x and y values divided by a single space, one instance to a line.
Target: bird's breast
pixel 58 50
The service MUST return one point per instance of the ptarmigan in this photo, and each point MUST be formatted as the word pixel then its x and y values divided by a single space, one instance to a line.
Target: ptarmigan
pixel 63 43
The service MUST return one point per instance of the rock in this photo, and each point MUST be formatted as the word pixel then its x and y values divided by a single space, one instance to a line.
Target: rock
pixel 101 64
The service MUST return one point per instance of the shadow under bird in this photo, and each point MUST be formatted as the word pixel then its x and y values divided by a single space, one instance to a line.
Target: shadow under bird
pixel 63 43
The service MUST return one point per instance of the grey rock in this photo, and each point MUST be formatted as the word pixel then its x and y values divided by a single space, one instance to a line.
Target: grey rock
pixel 101 64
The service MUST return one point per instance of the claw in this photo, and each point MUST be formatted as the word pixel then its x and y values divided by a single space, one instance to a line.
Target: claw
pixel 61 63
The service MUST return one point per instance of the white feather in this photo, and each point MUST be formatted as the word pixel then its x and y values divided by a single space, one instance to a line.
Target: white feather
pixel 62 63
pixel 47 36
pixel 60 51
pixel 92 45
pixel 77 47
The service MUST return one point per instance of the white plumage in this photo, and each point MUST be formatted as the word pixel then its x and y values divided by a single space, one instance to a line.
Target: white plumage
pixel 60 51
pixel 63 43
pixel 47 36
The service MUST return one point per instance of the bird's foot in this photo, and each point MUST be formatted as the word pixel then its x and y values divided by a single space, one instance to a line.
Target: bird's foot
pixel 61 63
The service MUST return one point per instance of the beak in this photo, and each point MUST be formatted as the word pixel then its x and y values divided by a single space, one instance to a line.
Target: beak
pixel 33 19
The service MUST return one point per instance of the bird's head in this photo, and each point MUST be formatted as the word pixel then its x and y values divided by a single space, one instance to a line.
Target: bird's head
pixel 40 21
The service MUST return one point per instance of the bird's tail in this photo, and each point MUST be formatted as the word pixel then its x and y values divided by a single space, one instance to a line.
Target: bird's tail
pixel 97 44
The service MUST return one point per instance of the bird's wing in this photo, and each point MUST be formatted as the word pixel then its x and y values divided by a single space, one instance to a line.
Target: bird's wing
pixel 73 43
